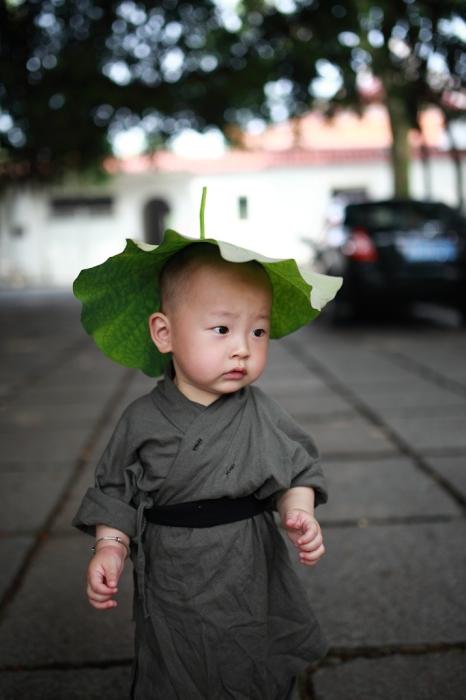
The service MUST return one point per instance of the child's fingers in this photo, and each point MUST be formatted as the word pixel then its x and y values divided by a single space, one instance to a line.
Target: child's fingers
pixel 311 546
pixel 101 593
pixel 99 585
pixel 310 541
pixel 104 604
pixel 101 600
pixel 103 579
pixel 312 532
pixel 311 558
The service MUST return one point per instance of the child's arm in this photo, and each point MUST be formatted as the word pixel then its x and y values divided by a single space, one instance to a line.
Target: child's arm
pixel 105 567
pixel 296 509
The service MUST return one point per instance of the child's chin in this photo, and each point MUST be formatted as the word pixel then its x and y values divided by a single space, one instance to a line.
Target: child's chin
pixel 229 387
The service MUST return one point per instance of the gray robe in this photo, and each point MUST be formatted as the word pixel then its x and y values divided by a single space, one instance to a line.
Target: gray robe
pixel 220 612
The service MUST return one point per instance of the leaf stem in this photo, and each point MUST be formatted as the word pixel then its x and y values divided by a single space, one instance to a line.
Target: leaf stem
pixel 204 195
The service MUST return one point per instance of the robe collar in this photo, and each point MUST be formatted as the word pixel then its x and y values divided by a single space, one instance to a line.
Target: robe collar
pixel 181 411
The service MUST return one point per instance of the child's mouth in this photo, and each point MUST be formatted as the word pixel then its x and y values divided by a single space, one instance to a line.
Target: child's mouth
pixel 238 373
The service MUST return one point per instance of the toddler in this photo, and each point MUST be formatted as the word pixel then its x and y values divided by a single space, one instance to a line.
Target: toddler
pixel 187 487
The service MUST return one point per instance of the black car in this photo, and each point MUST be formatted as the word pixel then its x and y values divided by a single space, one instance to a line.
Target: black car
pixel 393 252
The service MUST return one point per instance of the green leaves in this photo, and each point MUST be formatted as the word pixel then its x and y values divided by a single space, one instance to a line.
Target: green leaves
pixel 119 296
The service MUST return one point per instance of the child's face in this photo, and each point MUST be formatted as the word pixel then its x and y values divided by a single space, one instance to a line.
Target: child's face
pixel 219 330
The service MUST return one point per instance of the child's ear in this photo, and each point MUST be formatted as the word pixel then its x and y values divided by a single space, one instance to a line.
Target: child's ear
pixel 159 326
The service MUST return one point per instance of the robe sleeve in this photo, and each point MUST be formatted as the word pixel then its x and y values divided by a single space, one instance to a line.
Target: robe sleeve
pixel 306 464
pixel 110 501
pixel 294 450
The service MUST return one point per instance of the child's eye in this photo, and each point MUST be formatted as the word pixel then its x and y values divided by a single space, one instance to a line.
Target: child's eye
pixel 259 332
pixel 221 330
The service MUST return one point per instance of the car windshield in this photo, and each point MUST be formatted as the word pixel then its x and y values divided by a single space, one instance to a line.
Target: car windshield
pixel 386 216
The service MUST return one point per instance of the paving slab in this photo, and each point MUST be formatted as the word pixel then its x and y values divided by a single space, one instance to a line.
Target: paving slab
pixel 89 359
pixel 288 374
pixel 430 432
pixel 12 553
pixel 391 585
pixel 370 388
pixel 430 677
pixel 283 383
pixel 424 401
pixel 306 388
pixel 82 684
pixel 353 362
pixel 347 436
pixel 443 357
pixel 58 395
pixel 50 620
pixel 383 488
pixel 70 505
pixel 278 353
pixel 316 402
pixel 41 445
pixel 28 493
pixel 453 469
pixel 71 377
pixel 24 414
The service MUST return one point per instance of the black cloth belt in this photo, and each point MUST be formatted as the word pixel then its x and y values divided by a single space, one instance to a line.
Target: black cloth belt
pixel 207 513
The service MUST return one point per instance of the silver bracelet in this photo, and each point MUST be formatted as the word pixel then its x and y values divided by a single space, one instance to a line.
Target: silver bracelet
pixel 114 538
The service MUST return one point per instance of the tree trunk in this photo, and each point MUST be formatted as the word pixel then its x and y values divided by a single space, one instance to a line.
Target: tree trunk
pixel 425 160
pixel 400 151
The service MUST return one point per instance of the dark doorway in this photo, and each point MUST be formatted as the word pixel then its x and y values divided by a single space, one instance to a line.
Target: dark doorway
pixel 155 212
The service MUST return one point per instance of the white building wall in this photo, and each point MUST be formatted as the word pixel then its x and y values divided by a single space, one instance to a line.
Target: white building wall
pixel 285 206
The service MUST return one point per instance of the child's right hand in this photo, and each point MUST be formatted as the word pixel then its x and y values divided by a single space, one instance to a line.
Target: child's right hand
pixel 103 574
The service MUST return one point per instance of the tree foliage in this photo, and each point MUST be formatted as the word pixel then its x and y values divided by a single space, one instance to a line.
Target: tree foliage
pixel 74 72
pixel 406 53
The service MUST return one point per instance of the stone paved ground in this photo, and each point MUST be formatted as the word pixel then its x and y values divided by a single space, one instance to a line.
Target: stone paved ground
pixel 387 406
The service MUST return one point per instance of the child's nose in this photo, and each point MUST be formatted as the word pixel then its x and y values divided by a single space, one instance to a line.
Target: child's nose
pixel 241 347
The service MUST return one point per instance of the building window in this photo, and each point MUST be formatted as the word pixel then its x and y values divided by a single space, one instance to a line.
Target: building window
pixel 243 207
pixel 351 194
pixel 61 207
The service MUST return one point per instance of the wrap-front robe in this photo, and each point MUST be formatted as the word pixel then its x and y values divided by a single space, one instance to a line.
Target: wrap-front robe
pixel 220 612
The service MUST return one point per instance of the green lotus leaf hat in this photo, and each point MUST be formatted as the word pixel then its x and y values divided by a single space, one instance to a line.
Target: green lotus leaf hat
pixel 119 295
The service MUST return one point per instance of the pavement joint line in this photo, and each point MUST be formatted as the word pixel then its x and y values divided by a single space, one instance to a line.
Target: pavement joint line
pixel 322 418
pixel 36 375
pixel 444 452
pixel 370 456
pixel 340 655
pixel 68 666
pixel 404 448
pixel 425 372
pixel 450 411
pixel 337 457
pixel 43 533
pixel 352 456
pixel 392 520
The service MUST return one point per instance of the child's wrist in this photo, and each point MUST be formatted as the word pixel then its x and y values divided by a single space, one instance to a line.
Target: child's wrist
pixel 308 511
pixel 110 541
pixel 291 512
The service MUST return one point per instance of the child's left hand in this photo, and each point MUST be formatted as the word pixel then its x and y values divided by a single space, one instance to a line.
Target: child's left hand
pixel 304 531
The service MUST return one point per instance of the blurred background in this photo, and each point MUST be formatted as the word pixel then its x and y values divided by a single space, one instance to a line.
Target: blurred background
pixel 113 115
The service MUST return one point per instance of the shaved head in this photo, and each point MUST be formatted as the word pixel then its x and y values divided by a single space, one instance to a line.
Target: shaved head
pixel 177 274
